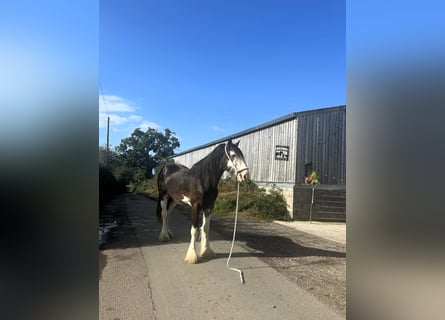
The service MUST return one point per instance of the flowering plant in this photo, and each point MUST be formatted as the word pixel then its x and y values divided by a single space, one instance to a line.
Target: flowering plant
pixel 312 179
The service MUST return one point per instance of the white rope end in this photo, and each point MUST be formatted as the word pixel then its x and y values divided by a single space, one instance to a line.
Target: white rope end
pixel 241 276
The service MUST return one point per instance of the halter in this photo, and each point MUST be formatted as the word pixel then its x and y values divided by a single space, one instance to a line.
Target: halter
pixel 233 163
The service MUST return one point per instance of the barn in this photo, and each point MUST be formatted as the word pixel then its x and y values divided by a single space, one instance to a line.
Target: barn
pixel 282 152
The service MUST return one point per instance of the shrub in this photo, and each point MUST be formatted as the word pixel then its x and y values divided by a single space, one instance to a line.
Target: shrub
pixel 109 187
pixel 253 201
pixel 270 205
pixel 148 187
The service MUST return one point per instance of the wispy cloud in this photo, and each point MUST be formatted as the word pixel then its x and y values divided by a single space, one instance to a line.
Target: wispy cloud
pixel 123 116
pixel 148 124
pixel 115 120
pixel 218 129
pixel 109 103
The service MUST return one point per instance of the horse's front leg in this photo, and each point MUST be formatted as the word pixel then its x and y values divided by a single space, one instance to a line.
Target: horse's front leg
pixel 206 251
pixel 191 256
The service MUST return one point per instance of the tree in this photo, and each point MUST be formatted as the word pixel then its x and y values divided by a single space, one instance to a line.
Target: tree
pixel 108 158
pixel 144 151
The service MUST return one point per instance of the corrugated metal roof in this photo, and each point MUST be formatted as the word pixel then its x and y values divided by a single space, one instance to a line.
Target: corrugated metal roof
pixel 265 125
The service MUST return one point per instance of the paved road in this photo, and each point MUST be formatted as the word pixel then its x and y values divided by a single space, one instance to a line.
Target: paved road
pixel 144 279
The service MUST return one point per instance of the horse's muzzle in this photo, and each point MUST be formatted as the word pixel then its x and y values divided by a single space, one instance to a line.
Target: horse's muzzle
pixel 243 175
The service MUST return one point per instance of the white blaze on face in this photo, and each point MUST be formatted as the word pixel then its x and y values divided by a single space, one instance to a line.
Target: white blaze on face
pixel 237 166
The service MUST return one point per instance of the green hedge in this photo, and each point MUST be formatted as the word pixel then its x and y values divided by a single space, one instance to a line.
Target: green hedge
pixel 109 187
pixel 253 201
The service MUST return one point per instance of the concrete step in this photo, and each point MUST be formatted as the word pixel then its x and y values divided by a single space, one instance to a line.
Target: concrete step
pixel 328 215
pixel 329 203
pixel 330 196
pixel 329 206
pixel 330 209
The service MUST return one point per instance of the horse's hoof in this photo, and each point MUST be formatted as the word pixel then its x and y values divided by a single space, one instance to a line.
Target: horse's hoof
pixel 191 261
pixel 163 237
pixel 207 253
pixel 191 258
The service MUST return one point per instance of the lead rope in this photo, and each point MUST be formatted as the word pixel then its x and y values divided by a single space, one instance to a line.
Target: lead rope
pixel 233 239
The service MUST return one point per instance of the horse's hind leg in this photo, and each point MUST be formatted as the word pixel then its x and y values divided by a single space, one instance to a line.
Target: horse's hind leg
pixel 166 206
pixel 170 206
pixel 205 251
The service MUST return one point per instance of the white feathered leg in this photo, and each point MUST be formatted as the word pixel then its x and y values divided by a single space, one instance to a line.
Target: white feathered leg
pixel 205 251
pixel 191 256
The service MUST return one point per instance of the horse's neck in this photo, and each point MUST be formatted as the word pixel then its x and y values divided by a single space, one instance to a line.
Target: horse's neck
pixel 213 177
pixel 209 173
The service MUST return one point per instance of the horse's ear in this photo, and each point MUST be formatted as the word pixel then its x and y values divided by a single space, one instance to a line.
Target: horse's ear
pixel 231 143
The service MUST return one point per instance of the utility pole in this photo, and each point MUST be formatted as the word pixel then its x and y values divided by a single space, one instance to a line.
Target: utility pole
pixel 108 141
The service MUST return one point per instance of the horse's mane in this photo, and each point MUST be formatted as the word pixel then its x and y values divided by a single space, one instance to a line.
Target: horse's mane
pixel 212 158
pixel 210 164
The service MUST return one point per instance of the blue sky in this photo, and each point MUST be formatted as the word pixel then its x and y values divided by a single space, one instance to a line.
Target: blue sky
pixel 208 69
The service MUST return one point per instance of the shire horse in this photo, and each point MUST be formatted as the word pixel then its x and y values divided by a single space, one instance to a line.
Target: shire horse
pixel 197 187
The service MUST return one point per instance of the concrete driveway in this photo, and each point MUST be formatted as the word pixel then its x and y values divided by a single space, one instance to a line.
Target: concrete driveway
pixel 141 278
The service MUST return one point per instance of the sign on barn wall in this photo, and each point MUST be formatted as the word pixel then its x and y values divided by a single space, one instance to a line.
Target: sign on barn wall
pixel 282 153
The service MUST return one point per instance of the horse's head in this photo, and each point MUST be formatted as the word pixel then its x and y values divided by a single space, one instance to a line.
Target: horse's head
pixel 236 164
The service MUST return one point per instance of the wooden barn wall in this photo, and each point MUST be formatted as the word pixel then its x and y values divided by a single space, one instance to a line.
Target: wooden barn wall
pixel 322 141
pixel 190 158
pixel 259 150
pixel 314 136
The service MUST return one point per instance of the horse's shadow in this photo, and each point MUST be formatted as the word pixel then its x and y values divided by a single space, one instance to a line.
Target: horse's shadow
pixel 279 246
pixel 272 246
pixel 255 238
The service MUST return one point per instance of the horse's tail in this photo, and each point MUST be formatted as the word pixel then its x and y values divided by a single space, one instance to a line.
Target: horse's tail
pixel 161 188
